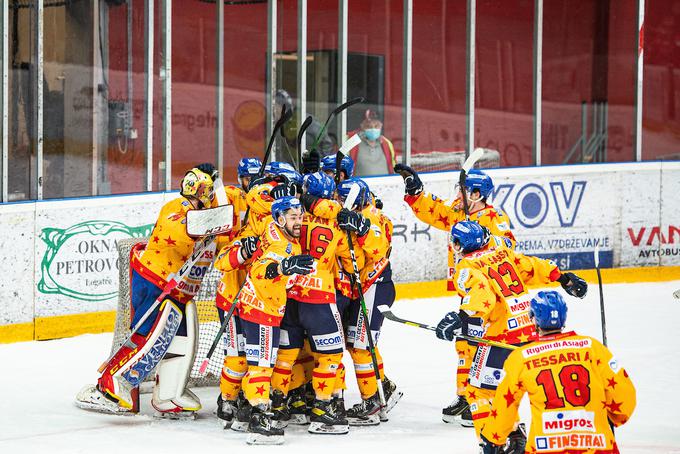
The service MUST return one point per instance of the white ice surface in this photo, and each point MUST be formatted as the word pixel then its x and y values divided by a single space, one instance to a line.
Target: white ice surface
pixel 40 379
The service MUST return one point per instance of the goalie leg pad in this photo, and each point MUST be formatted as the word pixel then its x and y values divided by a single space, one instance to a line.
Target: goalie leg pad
pixel 170 395
pixel 135 360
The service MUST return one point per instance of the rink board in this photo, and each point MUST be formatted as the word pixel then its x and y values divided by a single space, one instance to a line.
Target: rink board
pixel 59 256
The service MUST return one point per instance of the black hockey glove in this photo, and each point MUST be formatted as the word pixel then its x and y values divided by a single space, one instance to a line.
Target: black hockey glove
pixel 573 285
pixel 449 327
pixel 489 448
pixel 309 201
pixel 282 190
pixel 353 222
pixel 261 180
pixel 297 264
pixel 209 169
pixel 378 203
pixel 248 246
pixel 413 185
pixel 311 162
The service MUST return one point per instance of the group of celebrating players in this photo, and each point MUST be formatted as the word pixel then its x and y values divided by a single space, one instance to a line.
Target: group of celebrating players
pixel 304 268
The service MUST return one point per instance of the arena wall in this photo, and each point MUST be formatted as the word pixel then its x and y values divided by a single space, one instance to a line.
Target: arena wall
pixel 60 270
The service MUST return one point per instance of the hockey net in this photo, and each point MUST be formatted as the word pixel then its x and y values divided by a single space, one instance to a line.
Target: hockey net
pixel 435 161
pixel 208 318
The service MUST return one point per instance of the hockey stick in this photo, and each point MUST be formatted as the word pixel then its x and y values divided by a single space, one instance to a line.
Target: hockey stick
pixel 467 165
pixel 223 328
pixel 356 280
pixel 676 294
pixel 388 314
pixel 599 284
pixel 301 134
pixel 340 155
pixel 335 111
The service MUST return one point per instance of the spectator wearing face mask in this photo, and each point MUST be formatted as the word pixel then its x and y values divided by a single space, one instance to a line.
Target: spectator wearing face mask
pixel 375 153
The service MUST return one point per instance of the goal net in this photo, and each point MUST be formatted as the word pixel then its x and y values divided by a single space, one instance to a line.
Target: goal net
pixel 208 318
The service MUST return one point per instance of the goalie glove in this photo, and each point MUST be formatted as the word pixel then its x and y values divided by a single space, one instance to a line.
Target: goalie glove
pixel 449 327
pixel 413 185
pixel 573 285
pixel 248 247
pixel 352 221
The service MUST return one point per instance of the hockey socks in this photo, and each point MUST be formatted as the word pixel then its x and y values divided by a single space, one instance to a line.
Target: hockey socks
pixel 323 376
pixel 363 366
pixel 256 385
pixel 235 368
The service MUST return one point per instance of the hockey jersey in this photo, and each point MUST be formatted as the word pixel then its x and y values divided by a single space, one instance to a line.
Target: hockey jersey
pixel 493 283
pixel 263 300
pixel 323 240
pixel 376 244
pixel 576 387
pixel 442 214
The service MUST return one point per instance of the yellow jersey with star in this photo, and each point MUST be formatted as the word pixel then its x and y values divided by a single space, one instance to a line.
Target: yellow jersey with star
pixel 493 284
pixel 376 245
pixel 575 387
pixel 263 300
pixel 322 239
pixel 442 214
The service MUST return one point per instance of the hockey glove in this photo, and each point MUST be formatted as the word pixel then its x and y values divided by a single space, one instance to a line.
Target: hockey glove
pixel 210 169
pixel 352 221
pixel 488 447
pixel 449 327
pixel 573 285
pixel 309 202
pixel 377 202
pixel 297 264
pixel 257 181
pixel 413 185
pixel 248 246
pixel 311 162
pixel 282 190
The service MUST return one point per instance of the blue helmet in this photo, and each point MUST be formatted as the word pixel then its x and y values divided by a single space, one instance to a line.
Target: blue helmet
pixel 347 164
pixel 364 197
pixel 248 167
pixel 319 184
pixel 470 235
pixel 548 310
pixel 280 206
pixel 285 169
pixel 476 179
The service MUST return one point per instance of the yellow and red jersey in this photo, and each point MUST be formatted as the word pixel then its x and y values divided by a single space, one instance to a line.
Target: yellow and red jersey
pixel 493 283
pixel 376 244
pixel 323 240
pixel 575 388
pixel 443 214
pixel 264 300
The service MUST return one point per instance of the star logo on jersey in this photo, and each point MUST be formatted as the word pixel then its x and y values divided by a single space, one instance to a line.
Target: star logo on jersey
pixel 260 390
pixel 444 221
pixel 170 241
pixel 509 398
pixel 492 215
pixel 322 385
pixel 611 383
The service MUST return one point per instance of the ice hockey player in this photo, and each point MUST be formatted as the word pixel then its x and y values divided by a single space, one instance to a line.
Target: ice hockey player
pixel 311 313
pixel 373 235
pixel 168 337
pixel 233 261
pixel 262 305
pixel 328 166
pixel 492 279
pixel 442 214
pixel 577 389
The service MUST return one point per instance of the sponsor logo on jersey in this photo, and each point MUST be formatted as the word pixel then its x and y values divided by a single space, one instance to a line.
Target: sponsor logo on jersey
pixel 556 345
pixel 568 421
pixel 328 341
pixel 474 330
pixel 265 346
pixel 462 278
pixel 252 352
pixel 614 365
pixel 570 441
pixel 492 376
pixel 519 306
pixel 289 248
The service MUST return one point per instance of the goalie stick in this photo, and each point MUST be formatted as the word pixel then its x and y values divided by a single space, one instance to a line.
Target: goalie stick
pixel 223 328
pixel 333 113
pixel 356 281
pixel 388 314
pixel 467 165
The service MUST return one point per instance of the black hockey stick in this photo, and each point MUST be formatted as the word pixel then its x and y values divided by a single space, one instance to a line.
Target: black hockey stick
pixel 301 134
pixel 467 165
pixel 599 283
pixel 335 111
pixel 338 167
pixel 356 281
pixel 388 314
pixel 285 116
pixel 223 328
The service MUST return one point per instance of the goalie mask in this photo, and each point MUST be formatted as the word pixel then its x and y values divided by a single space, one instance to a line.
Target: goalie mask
pixel 198 185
